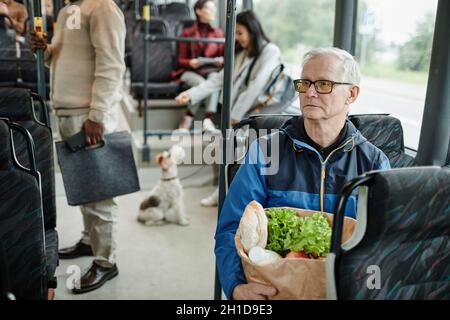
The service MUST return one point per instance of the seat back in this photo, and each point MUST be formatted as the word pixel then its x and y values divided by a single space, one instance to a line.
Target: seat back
pixel 256 123
pixel 132 14
pixel 28 67
pixel 386 133
pixel 8 53
pixel 17 105
pixel 21 227
pixel 401 245
pixel 173 13
pixel 160 62
pixel 5 286
pixel 17 62
pixel 186 23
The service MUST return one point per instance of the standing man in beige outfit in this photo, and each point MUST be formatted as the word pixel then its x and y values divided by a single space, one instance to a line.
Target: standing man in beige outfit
pixel 86 60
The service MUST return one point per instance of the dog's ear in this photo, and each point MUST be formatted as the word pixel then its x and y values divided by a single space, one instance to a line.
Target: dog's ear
pixel 159 158
pixel 151 202
pixel 177 153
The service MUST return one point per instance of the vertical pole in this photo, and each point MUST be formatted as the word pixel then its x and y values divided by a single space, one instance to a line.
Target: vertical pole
pixel 345 25
pixel 38 26
pixel 435 133
pixel 222 14
pixel 137 9
pixel 225 123
pixel 146 18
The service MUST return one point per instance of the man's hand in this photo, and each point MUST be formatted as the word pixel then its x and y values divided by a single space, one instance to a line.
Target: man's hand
pixel 253 291
pixel 195 64
pixel 183 98
pixel 36 42
pixel 94 132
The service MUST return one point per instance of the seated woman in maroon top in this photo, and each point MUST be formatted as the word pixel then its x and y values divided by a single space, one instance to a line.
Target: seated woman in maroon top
pixel 198 60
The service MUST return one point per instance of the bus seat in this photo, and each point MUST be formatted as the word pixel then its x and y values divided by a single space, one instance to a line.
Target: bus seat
pixel 17 105
pixel 17 64
pixel 5 286
pixel 400 249
pixel 21 227
pixel 173 13
pixel 160 64
pixel 256 122
pixel 383 131
pixel 8 69
pixel 133 19
pixel 186 23
pixel 386 133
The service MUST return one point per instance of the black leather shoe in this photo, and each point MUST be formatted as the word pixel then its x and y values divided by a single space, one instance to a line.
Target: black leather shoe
pixel 78 250
pixel 95 277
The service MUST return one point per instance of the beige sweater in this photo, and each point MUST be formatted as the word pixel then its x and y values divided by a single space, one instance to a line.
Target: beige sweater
pixel 87 63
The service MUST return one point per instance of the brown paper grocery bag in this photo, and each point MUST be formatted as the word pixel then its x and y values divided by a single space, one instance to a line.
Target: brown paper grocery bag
pixel 294 278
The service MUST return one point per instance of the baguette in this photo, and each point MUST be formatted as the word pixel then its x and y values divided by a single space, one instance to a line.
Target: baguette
pixel 254 227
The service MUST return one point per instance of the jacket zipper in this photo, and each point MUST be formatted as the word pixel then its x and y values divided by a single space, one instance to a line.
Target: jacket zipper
pixel 322 180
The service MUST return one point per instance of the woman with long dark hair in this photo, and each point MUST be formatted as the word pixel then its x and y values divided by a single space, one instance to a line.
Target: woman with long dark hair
pixel 255 60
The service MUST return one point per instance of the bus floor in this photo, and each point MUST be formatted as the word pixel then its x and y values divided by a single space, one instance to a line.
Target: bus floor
pixel 168 262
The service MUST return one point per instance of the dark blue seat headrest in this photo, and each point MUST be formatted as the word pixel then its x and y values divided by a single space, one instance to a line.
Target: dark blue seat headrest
pixel 16 103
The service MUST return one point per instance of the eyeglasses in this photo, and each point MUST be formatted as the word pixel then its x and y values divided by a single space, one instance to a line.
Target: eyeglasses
pixel 321 86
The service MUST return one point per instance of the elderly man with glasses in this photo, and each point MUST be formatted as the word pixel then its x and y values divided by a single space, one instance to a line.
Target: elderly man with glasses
pixel 318 152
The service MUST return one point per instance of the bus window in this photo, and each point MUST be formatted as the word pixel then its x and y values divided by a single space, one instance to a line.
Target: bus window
pixel 393 46
pixel 297 26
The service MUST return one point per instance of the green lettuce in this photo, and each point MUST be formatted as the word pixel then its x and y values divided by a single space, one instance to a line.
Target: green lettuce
pixel 289 232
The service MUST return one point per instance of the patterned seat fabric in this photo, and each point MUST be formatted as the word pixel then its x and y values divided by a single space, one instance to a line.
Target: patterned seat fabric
pixel 386 133
pixel 407 238
pixel 16 105
pixel 21 227
pixel 160 63
pixel 173 13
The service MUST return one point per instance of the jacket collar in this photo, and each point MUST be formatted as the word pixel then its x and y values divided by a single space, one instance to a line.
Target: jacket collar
pixel 292 129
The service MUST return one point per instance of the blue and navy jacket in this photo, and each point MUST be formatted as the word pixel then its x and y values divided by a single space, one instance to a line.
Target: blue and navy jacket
pixel 304 180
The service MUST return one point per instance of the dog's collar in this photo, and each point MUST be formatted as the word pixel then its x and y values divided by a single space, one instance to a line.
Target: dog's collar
pixel 169 179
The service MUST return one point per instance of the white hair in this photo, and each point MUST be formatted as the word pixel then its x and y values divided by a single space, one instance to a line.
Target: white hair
pixel 351 71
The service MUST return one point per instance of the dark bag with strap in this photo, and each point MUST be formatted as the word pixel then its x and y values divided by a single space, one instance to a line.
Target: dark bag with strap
pixel 92 174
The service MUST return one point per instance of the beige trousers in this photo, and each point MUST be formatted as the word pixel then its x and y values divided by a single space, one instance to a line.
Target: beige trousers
pixel 99 218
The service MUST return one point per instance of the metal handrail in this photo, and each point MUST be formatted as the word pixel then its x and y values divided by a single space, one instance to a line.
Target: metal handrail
pixel 37 12
pixel 225 123
pixel 156 38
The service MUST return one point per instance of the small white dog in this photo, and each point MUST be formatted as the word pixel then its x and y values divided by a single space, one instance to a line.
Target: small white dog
pixel 165 201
